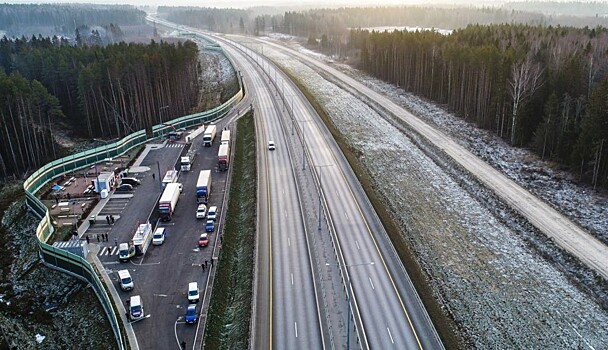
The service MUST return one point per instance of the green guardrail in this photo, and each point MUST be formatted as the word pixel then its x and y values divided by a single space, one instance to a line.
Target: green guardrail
pixel 73 264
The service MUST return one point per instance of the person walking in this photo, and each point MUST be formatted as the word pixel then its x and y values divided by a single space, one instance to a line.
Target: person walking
pixel 211 262
pixel 87 238
pixel 153 176
pixel 116 242
pixel 205 263
pixel 203 266
pixel 108 219
pixel 112 219
pixel 97 238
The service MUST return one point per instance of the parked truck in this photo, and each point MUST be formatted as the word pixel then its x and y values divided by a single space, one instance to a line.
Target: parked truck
pixel 186 161
pixel 168 201
pixel 223 157
pixel 209 135
pixel 225 137
pixel 170 177
pixel 142 238
pixel 203 186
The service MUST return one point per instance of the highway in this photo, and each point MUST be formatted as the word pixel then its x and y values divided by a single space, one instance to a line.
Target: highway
pixel 389 320
pixel 545 218
pixel 294 322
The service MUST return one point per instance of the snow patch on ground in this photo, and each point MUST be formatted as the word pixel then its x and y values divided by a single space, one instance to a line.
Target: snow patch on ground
pixel 499 291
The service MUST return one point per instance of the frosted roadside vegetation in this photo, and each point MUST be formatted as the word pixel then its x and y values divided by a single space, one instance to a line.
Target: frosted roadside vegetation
pixel 499 291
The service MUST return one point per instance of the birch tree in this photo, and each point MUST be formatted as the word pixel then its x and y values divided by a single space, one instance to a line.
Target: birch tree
pixel 525 80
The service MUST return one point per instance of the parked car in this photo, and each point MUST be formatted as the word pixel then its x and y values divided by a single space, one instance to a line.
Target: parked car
pixel 209 226
pixel 136 308
pixel 203 240
pixel 126 282
pixel 131 181
pixel 271 145
pixel 201 211
pixel 193 292
pixel 191 314
pixel 212 213
pixel 159 236
pixel 124 188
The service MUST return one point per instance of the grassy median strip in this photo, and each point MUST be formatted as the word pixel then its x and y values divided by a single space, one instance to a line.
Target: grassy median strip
pixel 230 309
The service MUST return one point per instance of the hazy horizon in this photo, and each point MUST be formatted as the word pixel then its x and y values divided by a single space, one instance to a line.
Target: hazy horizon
pixel 272 3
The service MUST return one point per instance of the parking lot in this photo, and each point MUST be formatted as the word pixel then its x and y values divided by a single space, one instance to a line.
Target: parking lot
pixel 161 276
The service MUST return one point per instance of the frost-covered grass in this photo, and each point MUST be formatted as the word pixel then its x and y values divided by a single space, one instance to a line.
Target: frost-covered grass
pixel 230 308
pixel 499 291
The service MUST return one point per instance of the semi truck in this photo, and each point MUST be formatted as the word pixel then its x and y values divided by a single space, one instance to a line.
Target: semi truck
pixel 223 157
pixel 225 137
pixel 209 135
pixel 186 161
pixel 168 201
pixel 170 177
pixel 203 186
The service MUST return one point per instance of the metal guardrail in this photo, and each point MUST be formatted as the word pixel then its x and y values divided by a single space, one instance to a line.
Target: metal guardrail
pixel 73 264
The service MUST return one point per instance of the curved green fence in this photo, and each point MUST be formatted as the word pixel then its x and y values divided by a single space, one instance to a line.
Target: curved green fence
pixel 73 264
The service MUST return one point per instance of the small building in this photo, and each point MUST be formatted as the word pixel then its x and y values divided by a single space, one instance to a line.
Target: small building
pixel 103 181
pixel 77 247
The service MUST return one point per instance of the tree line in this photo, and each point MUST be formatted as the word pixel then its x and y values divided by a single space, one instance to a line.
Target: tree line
pixel 213 19
pixel 541 87
pixel 67 17
pixel 49 86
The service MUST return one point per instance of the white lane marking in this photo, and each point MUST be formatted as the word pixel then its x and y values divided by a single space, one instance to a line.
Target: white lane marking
pixel 357 243
pixel 160 295
pixel 288 241
pixel 295 326
pixel 292 279
pixel 372 283
pixel 390 335
pixel 285 211
pixel 346 214
pixel 337 194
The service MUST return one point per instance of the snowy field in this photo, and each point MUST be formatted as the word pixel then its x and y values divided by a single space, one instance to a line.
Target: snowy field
pixel 499 291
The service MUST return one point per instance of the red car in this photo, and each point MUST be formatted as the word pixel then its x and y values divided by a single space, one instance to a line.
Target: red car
pixel 203 241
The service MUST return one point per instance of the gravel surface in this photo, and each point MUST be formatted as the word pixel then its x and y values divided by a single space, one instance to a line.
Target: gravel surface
pixel 476 254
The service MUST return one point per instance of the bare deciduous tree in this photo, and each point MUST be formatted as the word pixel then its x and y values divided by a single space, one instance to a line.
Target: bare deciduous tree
pixel 525 80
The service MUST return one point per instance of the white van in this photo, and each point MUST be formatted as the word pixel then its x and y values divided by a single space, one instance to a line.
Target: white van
pixel 126 282
pixel 212 213
pixel 159 236
pixel 136 308
pixel 193 292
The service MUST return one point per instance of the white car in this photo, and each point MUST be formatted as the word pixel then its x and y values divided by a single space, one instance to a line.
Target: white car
pixel 271 145
pixel 212 213
pixel 201 211
pixel 159 236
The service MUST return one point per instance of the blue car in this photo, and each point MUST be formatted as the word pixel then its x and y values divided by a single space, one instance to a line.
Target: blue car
pixel 209 226
pixel 191 314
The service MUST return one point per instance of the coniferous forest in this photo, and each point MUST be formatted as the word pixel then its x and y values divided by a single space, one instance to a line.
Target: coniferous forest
pixel 50 86
pixel 541 87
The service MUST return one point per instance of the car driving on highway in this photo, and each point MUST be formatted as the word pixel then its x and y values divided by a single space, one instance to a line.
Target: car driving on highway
pixel 201 211
pixel 203 240
pixel 271 145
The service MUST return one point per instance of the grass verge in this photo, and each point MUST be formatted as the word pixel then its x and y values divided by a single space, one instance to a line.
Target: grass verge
pixel 230 308
pixel 445 326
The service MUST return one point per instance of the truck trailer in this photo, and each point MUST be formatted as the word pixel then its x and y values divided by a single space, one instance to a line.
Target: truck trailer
pixel 168 201
pixel 209 135
pixel 223 157
pixel 170 177
pixel 203 186
pixel 142 238
pixel 225 137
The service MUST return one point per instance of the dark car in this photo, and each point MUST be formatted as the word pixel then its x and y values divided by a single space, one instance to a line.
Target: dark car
pixel 191 314
pixel 131 181
pixel 124 188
